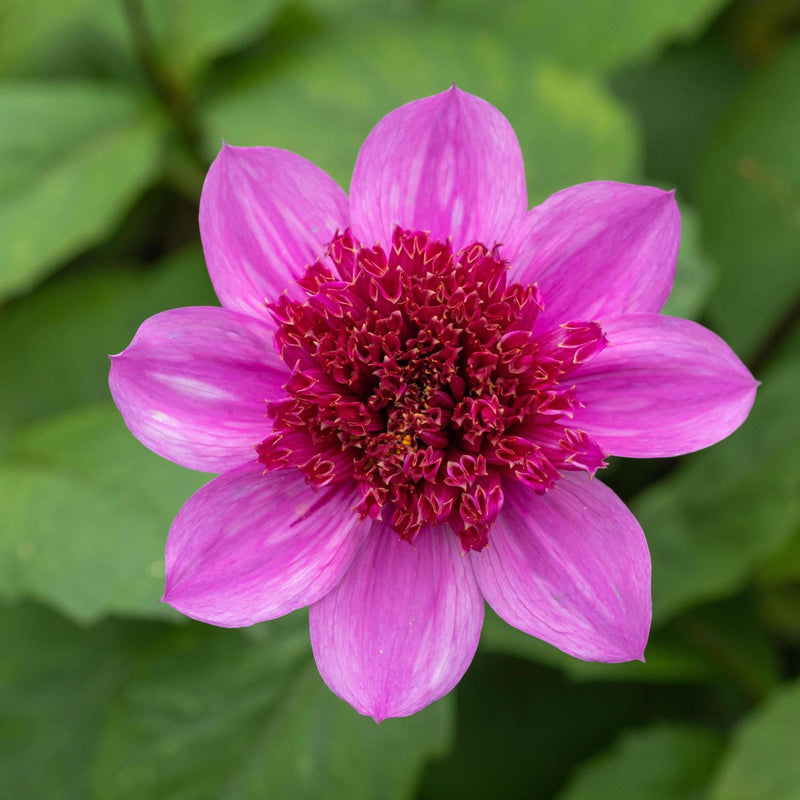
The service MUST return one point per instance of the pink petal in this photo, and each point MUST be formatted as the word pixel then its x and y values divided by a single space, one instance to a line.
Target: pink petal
pixel 403 625
pixel 250 546
pixel 598 248
pixel 570 567
pixel 264 215
pixel 192 384
pixel 663 387
pixel 448 164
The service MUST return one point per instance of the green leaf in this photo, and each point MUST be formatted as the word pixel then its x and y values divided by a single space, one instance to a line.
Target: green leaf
pixel 322 102
pixel 662 762
pixel 73 157
pixel 749 196
pixel 27 27
pixel 730 635
pixel 588 34
pixel 713 523
pixel 57 680
pixel 193 32
pixel 678 100
pixel 54 343
pixel 209 714
pixel 695 273
pixel 86 512
pixel 784 566
pixel 780 611
pixel 188 34
pixel 720 644
pixel 762 762
pixel 522 729
pixel 669 660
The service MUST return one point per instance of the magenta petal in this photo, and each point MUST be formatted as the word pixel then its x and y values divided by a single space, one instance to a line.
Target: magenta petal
pixel 402 627
pixel 663 387
pixel 570 567
pixel 264 215
pixel 598 248
pixel 250 546
pixel 192 385
pixel 448 164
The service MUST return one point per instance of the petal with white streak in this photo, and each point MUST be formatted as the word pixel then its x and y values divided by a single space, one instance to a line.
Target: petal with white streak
pixel 402 627
pixel 192 385
pixel 250 546
pixel 570 567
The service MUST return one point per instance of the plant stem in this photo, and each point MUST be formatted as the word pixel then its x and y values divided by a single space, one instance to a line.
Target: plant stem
pixel 770 346
pixel 741 674
pixel 175 100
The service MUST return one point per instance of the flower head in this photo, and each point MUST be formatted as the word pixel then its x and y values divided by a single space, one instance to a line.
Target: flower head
pixel 407 393
pixel 418 375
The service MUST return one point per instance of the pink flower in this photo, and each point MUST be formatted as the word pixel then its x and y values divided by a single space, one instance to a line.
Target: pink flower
pixel 443 372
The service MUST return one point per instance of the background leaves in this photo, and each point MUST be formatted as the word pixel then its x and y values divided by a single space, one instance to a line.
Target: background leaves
pixel 58 146
pixel 664 762
pixel 327 81
pixel 750 182
pixel 207 715
pixel 87 511
pixel 110 113
pixel 762 761
pixel 600 34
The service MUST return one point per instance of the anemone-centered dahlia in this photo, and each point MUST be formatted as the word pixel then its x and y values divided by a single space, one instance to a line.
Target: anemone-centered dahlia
pixel 408 393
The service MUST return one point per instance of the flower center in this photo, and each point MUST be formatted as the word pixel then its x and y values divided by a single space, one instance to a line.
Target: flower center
pixel 416 373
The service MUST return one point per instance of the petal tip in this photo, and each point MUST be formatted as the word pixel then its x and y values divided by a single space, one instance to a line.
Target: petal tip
pixel 667 197
pixel 671 202
pixel 120 356
pixel 453 93
pixel 636 646
pixel 228 151
pixel 169 598
pixel 383 708
pixel 636 650
pixel 610 650
pixel 169 595
pixel 231 156
pixel 623 652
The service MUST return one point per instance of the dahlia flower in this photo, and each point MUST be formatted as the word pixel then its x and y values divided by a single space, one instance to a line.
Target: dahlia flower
pixel 407 394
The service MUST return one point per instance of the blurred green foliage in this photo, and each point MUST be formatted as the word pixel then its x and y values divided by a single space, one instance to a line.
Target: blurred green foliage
pixel 660 762
pixel 110 112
